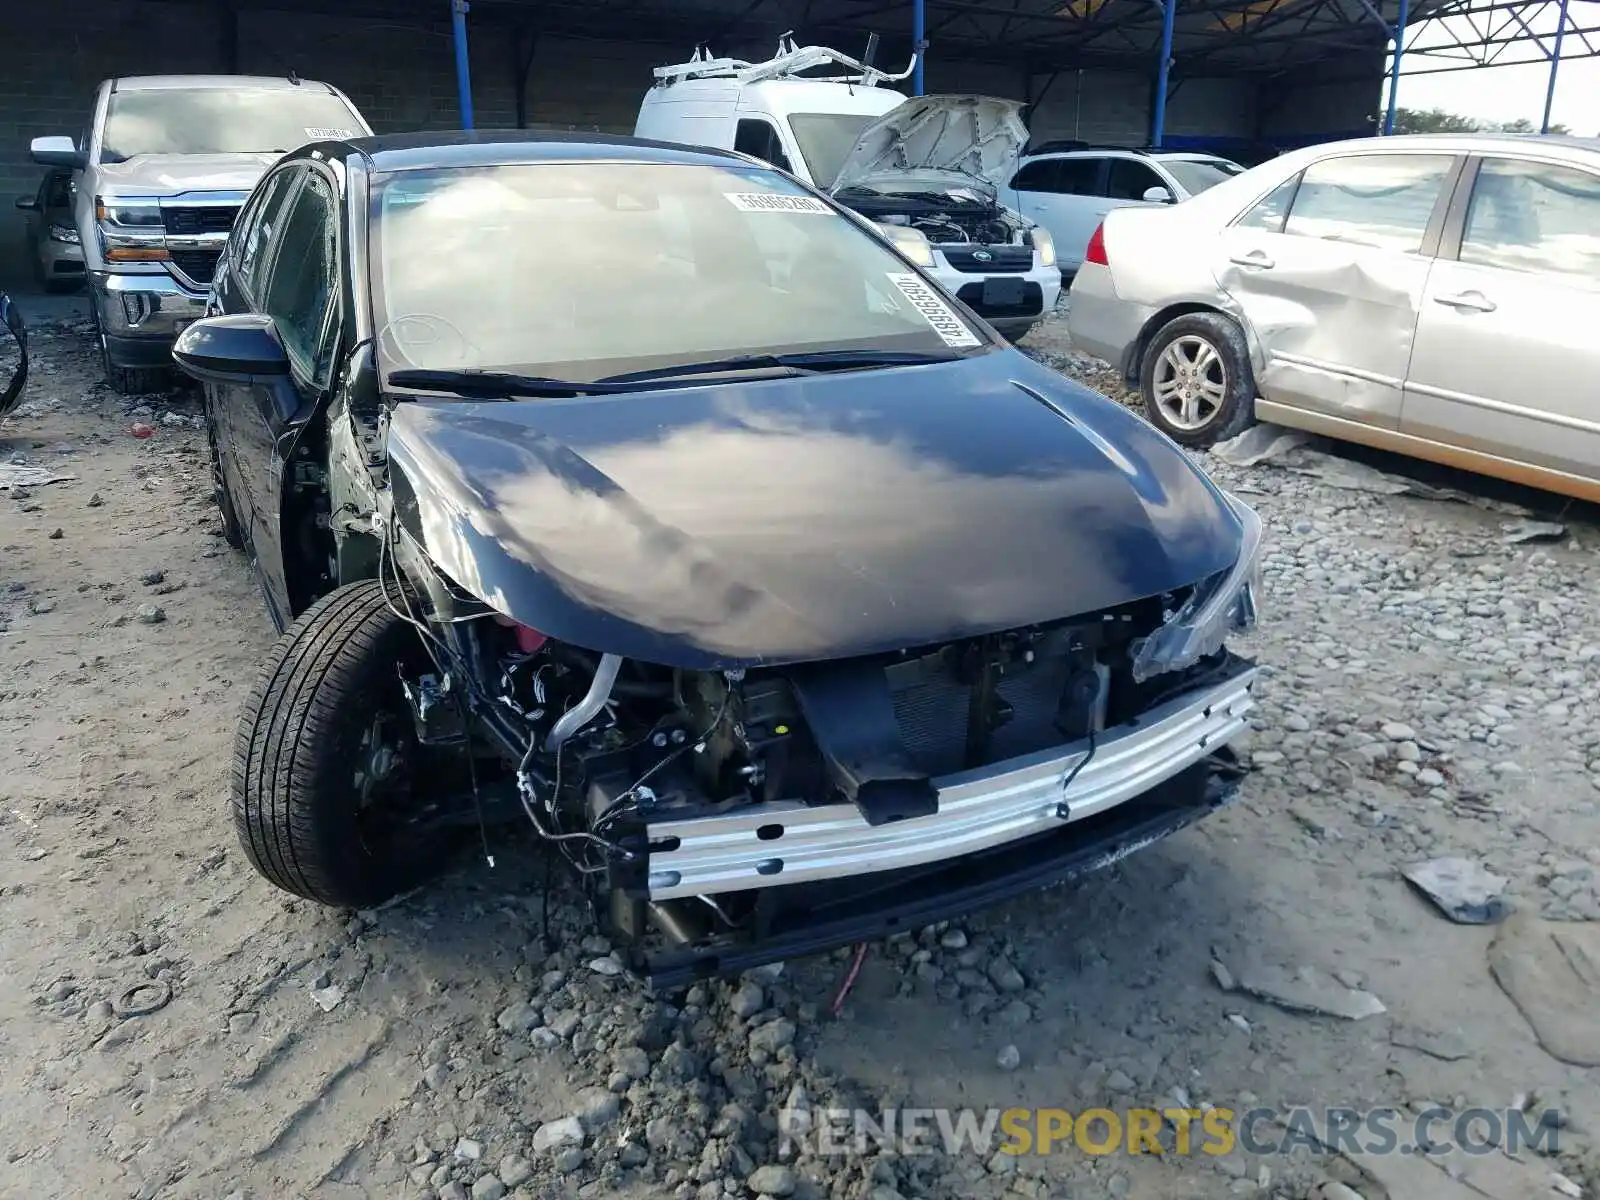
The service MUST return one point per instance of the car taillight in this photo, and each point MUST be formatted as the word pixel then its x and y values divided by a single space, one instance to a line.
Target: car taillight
pixel 1096 250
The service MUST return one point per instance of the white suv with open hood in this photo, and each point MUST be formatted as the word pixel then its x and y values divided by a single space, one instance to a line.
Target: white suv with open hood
pixel 923 168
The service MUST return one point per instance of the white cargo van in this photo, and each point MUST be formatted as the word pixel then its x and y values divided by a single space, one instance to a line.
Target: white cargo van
pixel 925 169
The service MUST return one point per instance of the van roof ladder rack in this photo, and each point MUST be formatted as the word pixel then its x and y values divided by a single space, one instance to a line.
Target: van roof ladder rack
pixel 788 63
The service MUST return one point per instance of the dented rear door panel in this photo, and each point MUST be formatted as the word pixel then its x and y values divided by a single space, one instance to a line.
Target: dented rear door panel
pixel 1334 299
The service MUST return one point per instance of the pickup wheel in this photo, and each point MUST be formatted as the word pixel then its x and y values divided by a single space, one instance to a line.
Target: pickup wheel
pixel 328 777
pixel 1196 379
pixel 125 381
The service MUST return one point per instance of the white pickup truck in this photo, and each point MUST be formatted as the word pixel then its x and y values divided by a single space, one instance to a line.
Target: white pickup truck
pixel 161 170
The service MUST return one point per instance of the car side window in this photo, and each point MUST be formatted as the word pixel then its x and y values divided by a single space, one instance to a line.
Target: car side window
pixel 1270 211
pixel 760 140
pixel 1379 200
pixel 301 286
pixel 1531 216
pixel 1079 176
pixel 1130 180
pixel 57 191
pixel 1039 176
pixel 254 232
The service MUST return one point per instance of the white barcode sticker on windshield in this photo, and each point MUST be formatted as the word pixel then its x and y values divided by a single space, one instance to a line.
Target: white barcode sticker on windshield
pixel 776 202
pixel 952 330
pixel 327 133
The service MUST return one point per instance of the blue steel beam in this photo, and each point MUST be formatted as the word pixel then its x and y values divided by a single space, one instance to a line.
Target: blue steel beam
pixel 919 34
pixel 1555 65
pixel 1394 69
pixel 458 23
pixel 1158 118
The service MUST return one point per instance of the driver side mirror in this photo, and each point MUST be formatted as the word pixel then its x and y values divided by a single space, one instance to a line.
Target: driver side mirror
pixel 241 349
pixel 1157 195
pixel 27 204
pixel 58 152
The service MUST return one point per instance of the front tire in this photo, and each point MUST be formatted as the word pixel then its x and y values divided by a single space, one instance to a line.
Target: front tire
pixel 326 768
pixel 1196 379
pixel 124 381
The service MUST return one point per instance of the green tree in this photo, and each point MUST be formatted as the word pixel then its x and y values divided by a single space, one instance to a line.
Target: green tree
pixel 1437 120
pixel 1432 120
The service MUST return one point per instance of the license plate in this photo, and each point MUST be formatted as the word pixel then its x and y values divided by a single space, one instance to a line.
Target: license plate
pixel 1002 293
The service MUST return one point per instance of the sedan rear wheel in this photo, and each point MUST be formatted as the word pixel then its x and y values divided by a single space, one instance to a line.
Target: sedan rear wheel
pixel 1196 379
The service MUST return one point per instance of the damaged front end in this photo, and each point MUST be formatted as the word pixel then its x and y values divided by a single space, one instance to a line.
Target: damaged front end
pixel 720 819
pixel 755 736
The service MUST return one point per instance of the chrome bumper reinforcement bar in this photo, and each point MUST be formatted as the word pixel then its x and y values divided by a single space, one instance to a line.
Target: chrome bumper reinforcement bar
pixel 789 842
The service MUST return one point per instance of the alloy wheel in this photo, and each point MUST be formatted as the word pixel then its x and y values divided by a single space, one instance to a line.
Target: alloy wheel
pixel 1191 382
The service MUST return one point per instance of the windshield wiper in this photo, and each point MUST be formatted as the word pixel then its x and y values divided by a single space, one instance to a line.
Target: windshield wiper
pixel 495 384
pixel 808 363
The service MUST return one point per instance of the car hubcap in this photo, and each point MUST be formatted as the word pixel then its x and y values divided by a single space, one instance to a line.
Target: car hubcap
pixel 1190 383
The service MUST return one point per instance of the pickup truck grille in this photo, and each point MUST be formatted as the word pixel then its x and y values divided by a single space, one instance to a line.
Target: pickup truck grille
pixel 1008 259
pixel 190 221
pixel 197 265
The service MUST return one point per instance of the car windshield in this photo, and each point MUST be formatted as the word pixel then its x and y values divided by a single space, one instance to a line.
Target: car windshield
pixel 580 271
pixel 825 141
pixel 222 121
pixel 1195 175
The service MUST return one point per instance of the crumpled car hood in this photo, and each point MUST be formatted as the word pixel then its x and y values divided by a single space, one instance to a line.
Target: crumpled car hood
pixel 949 140
pixel 170 174
pixel 795 519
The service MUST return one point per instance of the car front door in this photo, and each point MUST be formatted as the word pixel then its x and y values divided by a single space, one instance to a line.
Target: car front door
pixel 1506 351
pixel 230 411
pixel 1329 271
pixel 297 272
pixel 1063 195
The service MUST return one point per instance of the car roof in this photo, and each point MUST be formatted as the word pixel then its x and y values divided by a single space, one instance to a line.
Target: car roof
pixel 491 147
pixel 1130 152
pixel 253 83
pixel 1464 143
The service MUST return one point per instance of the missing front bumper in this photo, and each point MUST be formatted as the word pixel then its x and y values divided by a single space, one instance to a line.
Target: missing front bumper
pixel 817 917
pixel 790 843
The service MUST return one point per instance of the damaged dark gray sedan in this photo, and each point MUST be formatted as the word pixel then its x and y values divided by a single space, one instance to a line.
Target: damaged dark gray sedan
pixel 645 496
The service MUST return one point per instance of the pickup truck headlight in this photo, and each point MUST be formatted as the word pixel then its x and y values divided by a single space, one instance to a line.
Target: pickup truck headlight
pixel 131 230
pixel 1222 605
pixel 65 234
pixel 128 214
pixel 1045 245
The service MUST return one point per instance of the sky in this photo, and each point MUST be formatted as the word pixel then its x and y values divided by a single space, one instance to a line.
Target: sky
pixel 1504 93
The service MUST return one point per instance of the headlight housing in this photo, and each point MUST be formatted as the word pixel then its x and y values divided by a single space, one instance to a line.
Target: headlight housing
pixel 1045 245
pixel 913 243
pixel 1222 605
pixel 64 233
pixel 129 214
pixel 131 230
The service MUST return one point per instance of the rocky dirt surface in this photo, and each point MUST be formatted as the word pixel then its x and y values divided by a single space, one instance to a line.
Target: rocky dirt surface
pixel 170 1026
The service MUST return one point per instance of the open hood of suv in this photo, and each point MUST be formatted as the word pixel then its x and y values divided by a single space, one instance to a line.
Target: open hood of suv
pixel 937 141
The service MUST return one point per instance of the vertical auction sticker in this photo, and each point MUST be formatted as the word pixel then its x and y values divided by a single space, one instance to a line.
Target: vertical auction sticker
pixel 952 330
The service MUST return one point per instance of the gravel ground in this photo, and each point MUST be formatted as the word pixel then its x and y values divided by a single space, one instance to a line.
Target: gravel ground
pixel 1430 689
